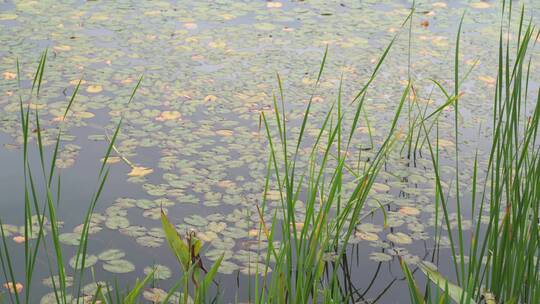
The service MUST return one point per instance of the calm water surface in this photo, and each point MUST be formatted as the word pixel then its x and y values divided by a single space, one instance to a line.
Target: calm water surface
pixel 209 71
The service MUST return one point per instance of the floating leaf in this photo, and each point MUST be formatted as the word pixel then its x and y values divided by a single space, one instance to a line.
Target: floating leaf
pixel 274 4
pixel 225 133
pixel 116 222
pixel 369 227
pixel 265 26
pixel 140 171
pixel 273 195
pixel 134 231
pixel 51 298
pixel 480 5
pixel 19 239
pixel 8 16
pixel 196 220
pixel 70 238
pixel 380 187
pixel 407 210
pixel 440 5
pixel 155 295
pixel 161 272
pixel 90 261
pixel 93 227
pixel 112 160
pixel 228 267
pixel 49 281
pixel 62 48
pixel 190 25
pixel 154 213
pixel 111 254
pixel 119 266
pixel 9 75
pixel 149 241
pixel 380 257
pixel 84 114
pixel 488 80
pixel 367 236
pixel 217 227
pixel 168 115
pixel 399 238
pixel 91 288
pixel 210 98
pixel 94 89
pixel 17 288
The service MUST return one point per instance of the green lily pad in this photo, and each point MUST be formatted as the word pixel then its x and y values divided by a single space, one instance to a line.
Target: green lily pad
pixel 116 222
pixel 49 281
pixel 119 266
pixel 111 254
pixel 161 272
pixel 90 261
pixel 70 238
pixel 399 238
pixel 91 288
pixel 380 257
pixel 50 298
pixel 150 241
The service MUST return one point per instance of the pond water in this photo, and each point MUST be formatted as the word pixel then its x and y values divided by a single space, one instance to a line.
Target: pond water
pixel 209 70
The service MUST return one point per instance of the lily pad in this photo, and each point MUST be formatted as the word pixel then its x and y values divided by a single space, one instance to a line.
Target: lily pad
pixel 399 238
pixel 161 272
pixel 380 257
pixel 90 261
pixel 70 238
pixel 119 266
pixel 111 254
pixel 116 222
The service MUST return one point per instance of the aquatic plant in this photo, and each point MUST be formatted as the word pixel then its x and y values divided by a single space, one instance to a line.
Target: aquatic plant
pixel 308 246
pixel 41 224
pixel 187 251
pixel 500 264
pixel 305 256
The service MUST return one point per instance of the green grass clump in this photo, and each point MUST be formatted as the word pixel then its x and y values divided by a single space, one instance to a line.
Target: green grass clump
pixel 305 251
pixel 43 238
pixel 501 262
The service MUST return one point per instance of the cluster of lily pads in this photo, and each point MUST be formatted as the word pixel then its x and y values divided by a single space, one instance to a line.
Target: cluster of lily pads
pixel 191 140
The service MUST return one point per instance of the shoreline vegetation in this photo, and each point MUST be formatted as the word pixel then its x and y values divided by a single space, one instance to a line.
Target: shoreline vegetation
pixel 304 258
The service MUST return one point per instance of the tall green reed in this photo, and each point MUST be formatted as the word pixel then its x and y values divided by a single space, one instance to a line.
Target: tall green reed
pixel 308 248
pixel 43 238
pixel 501 263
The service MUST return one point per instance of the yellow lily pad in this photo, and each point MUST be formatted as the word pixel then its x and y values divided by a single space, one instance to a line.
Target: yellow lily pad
pixel 367 236
pixel 440 5
pixel 225 133
pixel 210 98
pixel 13 289
pixel 169 115
pixel 407 210
pixel 9 75
pixel 94 88
pixel 62 48
pixel 5 17
pixel 190 25
pixel 480 5
pixel 140 171
pixel 487 79
pixel 274 4
pixel 84 114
